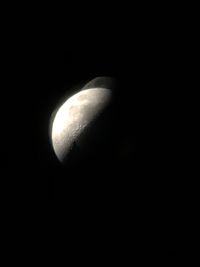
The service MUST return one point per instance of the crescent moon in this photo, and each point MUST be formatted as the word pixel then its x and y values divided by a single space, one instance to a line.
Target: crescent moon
pixel 72 118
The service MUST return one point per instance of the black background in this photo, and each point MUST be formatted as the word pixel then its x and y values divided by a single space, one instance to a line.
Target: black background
pixel 128 198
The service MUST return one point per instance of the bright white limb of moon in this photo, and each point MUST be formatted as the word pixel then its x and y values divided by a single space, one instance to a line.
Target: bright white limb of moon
pixel 76 114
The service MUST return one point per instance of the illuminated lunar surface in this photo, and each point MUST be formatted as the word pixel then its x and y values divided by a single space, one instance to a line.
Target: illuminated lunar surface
pixel 74 116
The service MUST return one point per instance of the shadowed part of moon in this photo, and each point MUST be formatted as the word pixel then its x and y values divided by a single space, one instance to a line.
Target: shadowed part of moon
pixel 74 116
pixel 101 82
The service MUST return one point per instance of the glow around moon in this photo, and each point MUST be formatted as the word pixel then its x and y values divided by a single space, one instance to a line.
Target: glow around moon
pixel 74 116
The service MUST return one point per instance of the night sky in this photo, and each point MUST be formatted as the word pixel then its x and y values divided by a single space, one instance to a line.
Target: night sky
pixel 120 195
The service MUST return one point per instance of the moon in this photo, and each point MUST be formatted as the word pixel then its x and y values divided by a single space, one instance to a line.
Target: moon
pixel 74 116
